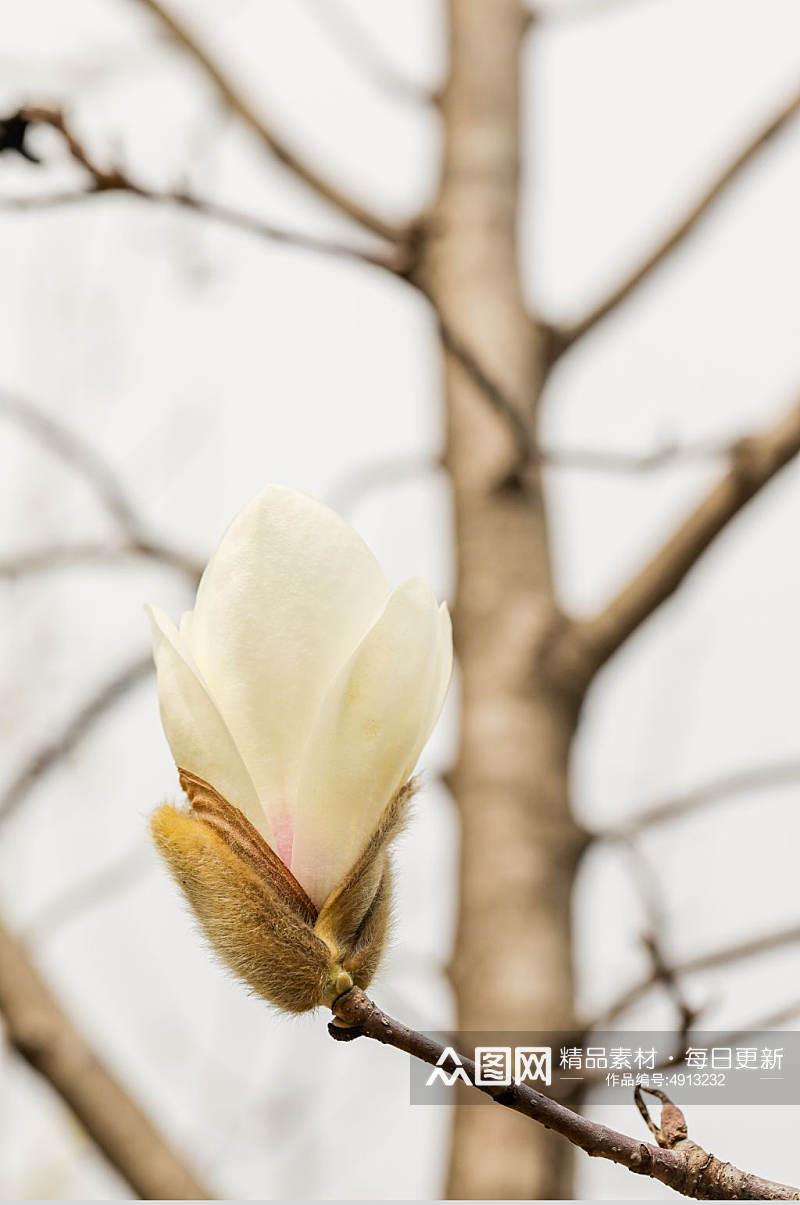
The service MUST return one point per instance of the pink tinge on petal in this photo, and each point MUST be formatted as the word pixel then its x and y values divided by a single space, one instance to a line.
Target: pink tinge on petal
pixel 283 832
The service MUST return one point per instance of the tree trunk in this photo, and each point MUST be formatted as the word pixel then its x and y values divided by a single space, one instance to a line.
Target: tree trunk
pixel 512 968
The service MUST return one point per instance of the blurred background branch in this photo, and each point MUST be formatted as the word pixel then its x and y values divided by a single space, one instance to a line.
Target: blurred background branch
pixel 83 720
pixel 336 196
pixel 355 43
pixel 561 338
pixel 42 1033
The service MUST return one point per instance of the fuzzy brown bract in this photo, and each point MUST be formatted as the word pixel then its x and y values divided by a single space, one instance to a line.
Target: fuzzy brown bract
pixel 257 916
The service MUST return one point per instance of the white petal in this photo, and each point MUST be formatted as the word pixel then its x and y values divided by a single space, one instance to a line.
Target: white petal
pixel 282 604
pixel 365 736
pixel 442 676
pixel 195 730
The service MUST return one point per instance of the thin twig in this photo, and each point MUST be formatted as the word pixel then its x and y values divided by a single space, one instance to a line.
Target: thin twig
pixel 351 488
pixel 513 412
pixel 668 454
pixel 654 940
pixel 355 43
pixel 263 128
pixel 563 12
pixel 51 558
pixel 80 897
pixel 733 1037
pixel 580 648
pixel 717 790
pixel 563 337
pixel 105 182
pixel 710 960
pixel 597 460
pixel 76 452
pixel 679 1167
pixel 53 751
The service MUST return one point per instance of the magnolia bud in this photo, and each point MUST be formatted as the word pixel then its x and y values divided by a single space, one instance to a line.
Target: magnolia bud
pixel 296 698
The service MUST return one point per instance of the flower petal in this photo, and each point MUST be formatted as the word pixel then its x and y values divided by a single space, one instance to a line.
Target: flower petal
pixel 365 736
pixel 196 732
pixel 442 676
pixel 282 604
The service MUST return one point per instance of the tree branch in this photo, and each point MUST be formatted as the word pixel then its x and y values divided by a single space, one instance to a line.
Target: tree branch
pixel 717 790
pixel 51 752
pixel 53 557
pixel 87 892
pixel 601 460
pixel 359 48
pixel 512 411
pixel 663 455
pixel 684 1167
pixel 79 455
pixel 563 337
pixel 46 1038
pixel 74 451
pixel 260 126
pixel 654 940
pixel 710 960
pixel 105 182
pixel 351 487
pixel 564 11
pixel 579 649
pixel 348 490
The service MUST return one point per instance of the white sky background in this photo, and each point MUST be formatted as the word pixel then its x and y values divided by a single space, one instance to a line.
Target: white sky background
pixel 203 363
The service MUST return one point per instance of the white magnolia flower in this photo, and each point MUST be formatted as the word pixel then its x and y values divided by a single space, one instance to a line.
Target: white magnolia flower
pixel 301 688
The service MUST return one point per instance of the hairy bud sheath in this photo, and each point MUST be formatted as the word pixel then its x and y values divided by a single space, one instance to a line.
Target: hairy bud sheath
pixel 257 916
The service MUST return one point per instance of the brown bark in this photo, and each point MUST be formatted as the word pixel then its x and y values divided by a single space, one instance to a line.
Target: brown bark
pixel 676 1161
pixel 44 1035
pixel 512 965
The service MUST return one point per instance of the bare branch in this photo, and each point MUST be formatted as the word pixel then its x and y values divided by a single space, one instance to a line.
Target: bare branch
pixel 717 790
pixel 264 130
pixel 79 455
pixel 352 486
pixel 773 1020
pixel 664 455
pixel 82 896
pixel 734 1037
pixel 682 1165
pixel 354 41
pixel 211 210
pixel 710 960
pixel 51 752
pixel 563 337
pixel 512 411
pixel 105 182
pixel 46 1038
pixel 580 648
pixel 600 460
pixel 562 12
pixel 75 452
pixel 53 557
pixel 662 970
